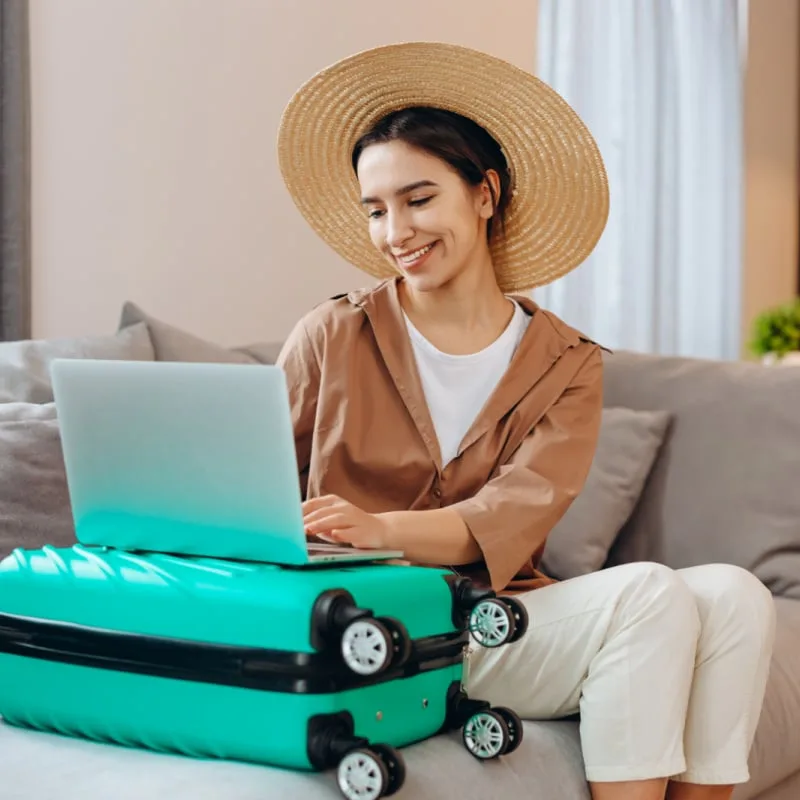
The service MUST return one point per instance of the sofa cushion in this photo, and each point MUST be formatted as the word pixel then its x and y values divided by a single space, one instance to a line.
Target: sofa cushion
pixel 34 501
pixel 173 344
pixel 628 444
pixel 548 759
pixel 724 486
pixel 785 790
pixel 263 352
pixel 775 754
pixel 25 366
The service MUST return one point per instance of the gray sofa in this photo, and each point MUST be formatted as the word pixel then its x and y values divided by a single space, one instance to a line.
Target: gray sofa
pixel 711 475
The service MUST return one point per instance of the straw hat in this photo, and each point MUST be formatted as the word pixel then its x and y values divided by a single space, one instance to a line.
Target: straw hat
pixel 559 203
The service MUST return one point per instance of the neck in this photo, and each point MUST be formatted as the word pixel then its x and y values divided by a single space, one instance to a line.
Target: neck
pixel 468 301
pixel 463 316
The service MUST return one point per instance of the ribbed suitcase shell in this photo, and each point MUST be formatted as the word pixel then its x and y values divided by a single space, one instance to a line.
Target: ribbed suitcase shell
pixel 83 631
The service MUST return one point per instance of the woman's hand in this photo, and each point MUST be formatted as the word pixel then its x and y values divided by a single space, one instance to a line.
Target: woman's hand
pixel 333 519
pixel 438 536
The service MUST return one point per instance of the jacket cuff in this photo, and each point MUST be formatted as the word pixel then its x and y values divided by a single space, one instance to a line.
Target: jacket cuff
pixel 496 548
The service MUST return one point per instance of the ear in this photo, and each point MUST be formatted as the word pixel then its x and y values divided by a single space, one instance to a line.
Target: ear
pixel 489 193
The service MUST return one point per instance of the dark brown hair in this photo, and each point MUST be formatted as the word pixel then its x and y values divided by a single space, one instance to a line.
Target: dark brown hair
pixel 463 144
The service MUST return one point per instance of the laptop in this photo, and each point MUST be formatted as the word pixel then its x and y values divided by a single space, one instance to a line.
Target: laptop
pixel 186 458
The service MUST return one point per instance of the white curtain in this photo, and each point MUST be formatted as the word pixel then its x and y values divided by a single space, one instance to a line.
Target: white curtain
pixel 659 84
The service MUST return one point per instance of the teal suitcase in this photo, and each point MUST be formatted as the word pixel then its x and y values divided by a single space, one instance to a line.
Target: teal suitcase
pixel 313 669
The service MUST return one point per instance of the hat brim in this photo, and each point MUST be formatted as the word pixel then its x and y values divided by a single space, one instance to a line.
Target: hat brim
pixel 560 198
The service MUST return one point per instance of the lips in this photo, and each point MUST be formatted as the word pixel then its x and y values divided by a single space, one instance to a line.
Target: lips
pixel 411 258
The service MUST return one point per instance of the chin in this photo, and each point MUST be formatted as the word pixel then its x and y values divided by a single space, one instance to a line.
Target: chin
pixel 425 283
pixel 430 280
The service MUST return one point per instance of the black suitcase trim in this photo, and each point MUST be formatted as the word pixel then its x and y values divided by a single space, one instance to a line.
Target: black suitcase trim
pixel 229 665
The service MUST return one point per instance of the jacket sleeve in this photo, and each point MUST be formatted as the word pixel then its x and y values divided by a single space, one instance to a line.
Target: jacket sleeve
pixel 512 515
pixel 300 361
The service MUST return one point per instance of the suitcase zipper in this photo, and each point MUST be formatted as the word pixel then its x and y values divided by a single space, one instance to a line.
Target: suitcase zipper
pixel 231 665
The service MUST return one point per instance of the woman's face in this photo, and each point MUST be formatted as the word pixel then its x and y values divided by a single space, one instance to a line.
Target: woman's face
pixel 425 219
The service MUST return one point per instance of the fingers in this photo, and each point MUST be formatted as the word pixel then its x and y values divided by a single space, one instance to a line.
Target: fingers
pixel 324 501
pixel 353 536
pixel 323 513
pixel 346 536
pixel 327 522
pixel 341 536
pixel 325 537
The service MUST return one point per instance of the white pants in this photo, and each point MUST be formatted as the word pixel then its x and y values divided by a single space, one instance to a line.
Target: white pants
pixel 667 668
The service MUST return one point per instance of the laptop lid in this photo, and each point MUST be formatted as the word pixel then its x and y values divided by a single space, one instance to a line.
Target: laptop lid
pixel 196 459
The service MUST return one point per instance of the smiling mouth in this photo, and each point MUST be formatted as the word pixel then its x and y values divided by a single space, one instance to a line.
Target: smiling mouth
pixel 409 259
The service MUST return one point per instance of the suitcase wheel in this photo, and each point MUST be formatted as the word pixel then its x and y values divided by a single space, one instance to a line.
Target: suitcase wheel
pixel 520 617
pixel 367 646
pixel 482 612
pixel 369 773
pixel 394 763
pixel 487 734
pixel 514 725
pixel 401 641
pixel 494 622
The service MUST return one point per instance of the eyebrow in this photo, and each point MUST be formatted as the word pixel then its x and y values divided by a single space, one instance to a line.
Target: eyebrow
pixel 401 191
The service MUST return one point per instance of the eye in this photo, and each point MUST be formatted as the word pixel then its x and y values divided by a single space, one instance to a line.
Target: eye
pixel 420 201
pixel 375 213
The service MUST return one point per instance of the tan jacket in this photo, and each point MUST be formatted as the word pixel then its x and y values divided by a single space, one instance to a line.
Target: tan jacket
pixel 363 430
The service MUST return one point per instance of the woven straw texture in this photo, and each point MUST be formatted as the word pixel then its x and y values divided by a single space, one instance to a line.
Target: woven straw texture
pixel 560 198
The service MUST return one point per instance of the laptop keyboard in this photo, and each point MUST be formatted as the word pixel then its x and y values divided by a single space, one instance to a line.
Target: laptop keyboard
pixel 317 548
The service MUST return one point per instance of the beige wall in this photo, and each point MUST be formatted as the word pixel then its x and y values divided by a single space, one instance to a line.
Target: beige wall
pixel 154 174
pixel 772 90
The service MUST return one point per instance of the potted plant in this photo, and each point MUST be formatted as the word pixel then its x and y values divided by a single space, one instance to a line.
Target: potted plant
pixel 776 335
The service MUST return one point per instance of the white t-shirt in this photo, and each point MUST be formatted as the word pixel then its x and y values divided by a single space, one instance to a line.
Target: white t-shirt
pixel 457 387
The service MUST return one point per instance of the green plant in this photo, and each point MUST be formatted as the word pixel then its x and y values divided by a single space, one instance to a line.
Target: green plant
pixel 777 330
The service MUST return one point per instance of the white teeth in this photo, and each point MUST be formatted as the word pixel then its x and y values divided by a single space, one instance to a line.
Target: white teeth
pixel 412 257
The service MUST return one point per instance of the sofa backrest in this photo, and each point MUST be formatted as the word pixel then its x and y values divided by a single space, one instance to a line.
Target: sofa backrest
pixel 726 484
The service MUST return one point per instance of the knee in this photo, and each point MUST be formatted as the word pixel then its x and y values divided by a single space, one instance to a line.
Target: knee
pixel 661 591
pixel 727 593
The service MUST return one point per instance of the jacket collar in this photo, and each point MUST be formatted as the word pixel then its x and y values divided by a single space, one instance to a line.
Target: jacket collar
pixel 546 339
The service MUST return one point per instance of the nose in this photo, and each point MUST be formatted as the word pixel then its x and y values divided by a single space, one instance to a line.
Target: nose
pixel 398 230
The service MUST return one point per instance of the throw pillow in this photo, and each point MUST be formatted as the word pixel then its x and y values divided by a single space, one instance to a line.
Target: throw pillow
pixel 174 344
pixel 626 451
pixel 34 500
pixel 25 365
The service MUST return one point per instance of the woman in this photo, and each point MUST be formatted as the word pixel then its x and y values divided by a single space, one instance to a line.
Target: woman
pixel 445 416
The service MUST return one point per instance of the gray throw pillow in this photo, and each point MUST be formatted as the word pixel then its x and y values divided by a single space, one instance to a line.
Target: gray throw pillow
pixel 174 344
pixel 25 365
pixel 263 352
pixel 626 451
pixel 34 500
